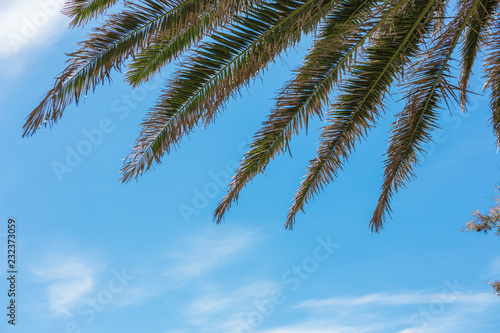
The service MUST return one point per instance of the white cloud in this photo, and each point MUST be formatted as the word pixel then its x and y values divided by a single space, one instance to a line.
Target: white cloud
pixel 384 312
pixel 210 304
pixel 411 298
pixel 227 310
pixel 185 261
pixel 204 253
pixel 410 312
pixel 324 327
pixel 28 23
pixel 69 281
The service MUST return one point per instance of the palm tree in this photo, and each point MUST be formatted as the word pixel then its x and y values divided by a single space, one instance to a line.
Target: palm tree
pixel 360 49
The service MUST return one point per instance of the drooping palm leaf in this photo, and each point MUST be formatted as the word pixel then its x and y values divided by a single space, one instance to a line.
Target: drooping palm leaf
pixel 110 45
pixel 163 49
pixel 357 109
pixel 343 33
pixel 225 44
pixel 429 84
pixel 217 70
pixel 477 26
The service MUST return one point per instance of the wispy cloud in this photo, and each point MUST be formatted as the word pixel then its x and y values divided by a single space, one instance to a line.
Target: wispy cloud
pixel 186 261
pixel 325 327
pixel 407 312
pixel 204 253
pixel 226 309
pixel 68 281
pixel 410 298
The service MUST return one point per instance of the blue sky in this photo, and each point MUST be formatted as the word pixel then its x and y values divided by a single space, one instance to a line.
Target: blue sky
pixel 97 256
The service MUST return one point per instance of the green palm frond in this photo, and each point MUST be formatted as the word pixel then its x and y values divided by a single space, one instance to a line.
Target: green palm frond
pixel 344 32
pixel 162 50
pixel 121 36
pixel 475 35
pixel 357 109
pixel 106 49
pixel 217 70
pixel 359 49
pixel 82 11
pixel 429 84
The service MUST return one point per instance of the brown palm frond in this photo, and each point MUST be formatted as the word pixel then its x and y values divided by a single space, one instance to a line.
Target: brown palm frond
pixel 439 16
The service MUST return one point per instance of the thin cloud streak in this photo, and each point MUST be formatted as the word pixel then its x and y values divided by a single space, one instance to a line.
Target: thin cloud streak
pixel 206 253
pixel 69 281
pixel 223 310
pixel 185 262
pixel 395 299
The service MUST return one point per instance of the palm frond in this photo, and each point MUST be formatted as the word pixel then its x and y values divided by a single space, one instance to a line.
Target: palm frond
pixel 82 11
pixel 163 50
pixel 414 125
pixel 343 33
pixel 440 14
pixel 477 27
pixel 217 70
pixel 166 47
pixel 121 36
pixel 357 110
